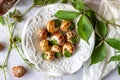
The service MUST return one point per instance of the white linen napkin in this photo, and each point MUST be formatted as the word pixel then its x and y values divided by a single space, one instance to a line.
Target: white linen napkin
pixel 109 9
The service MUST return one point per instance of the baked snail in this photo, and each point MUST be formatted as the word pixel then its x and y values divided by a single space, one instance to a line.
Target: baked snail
pixel 52 26
pixel 42 33
pixel 58 51
pixel 72 37
pixel 61 40
pixel 48 55
pixel 44 45
pixel 58 38
pixel 65 25
pixel 68 49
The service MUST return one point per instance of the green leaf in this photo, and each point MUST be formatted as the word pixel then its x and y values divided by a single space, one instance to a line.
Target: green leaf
pixel 18 18
pixel 58 54
pixel 16 15
pixel 99 54
pixel 119 70
pixel 115 58
pixel 114 43
pixel 38 2
pixel 67 54
pixel 12 24
pixel 57 23
pixel 16 39
pixel 53 42
pixel 26 60
pixel 63 1
pixel 52 1
pixel 66 15
pixel 2 21
pixel 84 28
pixel 91 15
pixel 16 12
pixel 75 39
pixel 44 56
pixel 79 5
pixel 102 28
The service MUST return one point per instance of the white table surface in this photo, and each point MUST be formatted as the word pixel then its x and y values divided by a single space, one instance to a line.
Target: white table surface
pixel 15 59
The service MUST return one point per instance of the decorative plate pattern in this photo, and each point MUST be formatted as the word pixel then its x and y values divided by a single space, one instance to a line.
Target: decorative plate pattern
pixel 30 44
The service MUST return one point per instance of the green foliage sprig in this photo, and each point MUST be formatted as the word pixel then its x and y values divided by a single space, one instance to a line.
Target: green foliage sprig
pixel 9 22
pixel 88 22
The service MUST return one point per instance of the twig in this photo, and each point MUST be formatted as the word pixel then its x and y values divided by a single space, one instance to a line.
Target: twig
pixel 6 61
pixel 28 10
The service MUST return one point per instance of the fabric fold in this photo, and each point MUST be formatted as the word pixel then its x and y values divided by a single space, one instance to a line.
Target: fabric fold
pixel 110 10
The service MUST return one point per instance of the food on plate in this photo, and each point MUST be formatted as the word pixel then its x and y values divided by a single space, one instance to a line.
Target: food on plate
pixel 5 5
pixel 72 37
pixel 48 55
pixel 59 42
pixel 42 34
pixel 1 46
pixel 56 48
pixel 68 49
pixel 58 38
pixel 65 25
pixel 60 65
pixel 58 51
pixel 51 27
pixel 44 45
pixel 18 71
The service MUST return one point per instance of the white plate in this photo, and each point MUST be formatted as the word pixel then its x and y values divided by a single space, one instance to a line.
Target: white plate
pixel 30 44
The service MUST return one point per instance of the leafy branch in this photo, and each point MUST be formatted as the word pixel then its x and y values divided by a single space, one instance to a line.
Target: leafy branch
pixel 10 22
pixel 87 22
pixel 39 3
pixel 104 20
pixel 84 25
